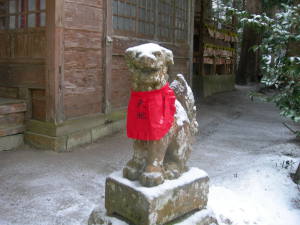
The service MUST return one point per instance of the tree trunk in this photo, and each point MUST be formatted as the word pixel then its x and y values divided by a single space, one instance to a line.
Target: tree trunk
pixel 248 68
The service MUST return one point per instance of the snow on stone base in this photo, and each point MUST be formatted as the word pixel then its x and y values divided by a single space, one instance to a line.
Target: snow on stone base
pixel 202 217
pixel 159 204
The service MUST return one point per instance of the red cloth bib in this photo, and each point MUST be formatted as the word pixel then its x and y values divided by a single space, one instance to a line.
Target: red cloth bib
pixel 150 113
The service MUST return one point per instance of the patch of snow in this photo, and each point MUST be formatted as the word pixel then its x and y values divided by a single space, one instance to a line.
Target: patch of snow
pixel 176 84
pixel 115 221
pixel 263 195
pixel 149 50
pixel 153 192
pixel 190 94
pixel 153 174
pixel 180 115
pixel 196 217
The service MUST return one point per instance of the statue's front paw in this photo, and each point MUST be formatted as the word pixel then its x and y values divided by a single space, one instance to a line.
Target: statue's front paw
pixel 131 173
pixel 133 170
pixel 151 179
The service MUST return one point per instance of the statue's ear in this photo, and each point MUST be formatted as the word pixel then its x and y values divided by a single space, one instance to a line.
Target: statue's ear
pixel 129 56
pixel 169 58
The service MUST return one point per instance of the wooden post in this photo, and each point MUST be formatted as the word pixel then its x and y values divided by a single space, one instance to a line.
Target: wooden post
pixel 201 40
pixel 55 61
pixel 156 20
pixel 191 16
pixel 107 59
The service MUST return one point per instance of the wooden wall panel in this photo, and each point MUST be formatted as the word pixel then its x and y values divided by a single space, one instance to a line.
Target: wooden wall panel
pixel 83 16
pixel 16 45
pixel 37 45
pixel 82 58
pixel 83 86
pixel 8 92
pixel 19 43
pixel 83 81
pixel 23 75
pixel 83 39
pixel 181 65
pixel 80 104
pixel 4 45
pixel 38 101
pixel 22 65
pixel 120 83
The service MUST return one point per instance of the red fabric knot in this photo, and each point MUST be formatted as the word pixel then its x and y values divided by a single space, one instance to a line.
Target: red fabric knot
pixel 150 114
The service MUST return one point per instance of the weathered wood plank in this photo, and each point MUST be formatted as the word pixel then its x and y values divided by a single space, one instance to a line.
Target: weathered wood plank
pixel 12 108
pixel 83 58
pixel 8 92
pixel 24 75
pixel 83 17
pixel 10 130
pixel 81 104
pixel 5 51
pixel 38 103
pixel 120 83
pixel 11 119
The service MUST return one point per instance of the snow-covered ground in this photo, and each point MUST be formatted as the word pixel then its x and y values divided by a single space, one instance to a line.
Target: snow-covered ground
pixel 242 145
pixel 263 194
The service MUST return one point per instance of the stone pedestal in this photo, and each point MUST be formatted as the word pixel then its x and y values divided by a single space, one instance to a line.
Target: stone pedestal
pixel 157 205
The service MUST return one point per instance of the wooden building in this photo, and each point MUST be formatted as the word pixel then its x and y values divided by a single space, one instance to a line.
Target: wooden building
pixel 214 52
pixel 64 60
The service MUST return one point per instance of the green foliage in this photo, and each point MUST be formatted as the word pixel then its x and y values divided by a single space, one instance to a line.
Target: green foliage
pixel 267 4
pixel 279 67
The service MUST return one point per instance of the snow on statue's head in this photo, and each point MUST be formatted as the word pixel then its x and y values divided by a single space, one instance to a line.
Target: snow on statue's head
pixel 149 65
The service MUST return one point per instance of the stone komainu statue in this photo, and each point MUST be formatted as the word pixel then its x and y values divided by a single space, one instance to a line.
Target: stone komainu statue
pixel 161 117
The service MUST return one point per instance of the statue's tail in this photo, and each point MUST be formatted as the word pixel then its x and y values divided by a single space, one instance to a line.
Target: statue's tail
pixel 185 96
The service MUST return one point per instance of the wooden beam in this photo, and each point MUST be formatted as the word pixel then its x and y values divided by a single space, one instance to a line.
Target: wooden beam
pixel 191 18
pixel 156 21
pixel 55 61
pixel 107 59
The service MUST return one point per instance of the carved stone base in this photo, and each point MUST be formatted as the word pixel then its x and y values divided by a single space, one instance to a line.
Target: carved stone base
pixel 156 205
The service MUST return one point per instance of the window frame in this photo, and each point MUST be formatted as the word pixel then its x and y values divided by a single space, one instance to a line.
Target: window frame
pixel 21 15
pixel 137 4
pixel 176 26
